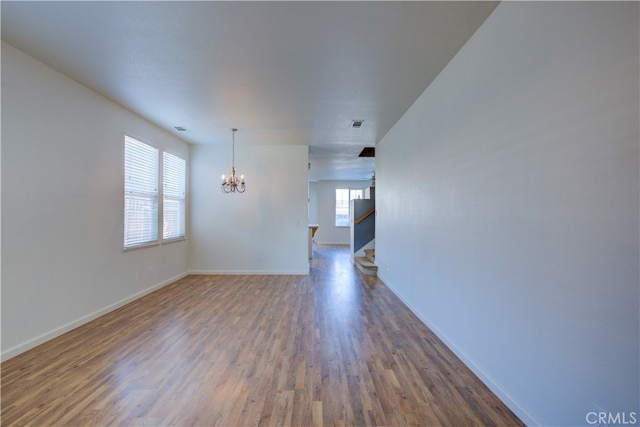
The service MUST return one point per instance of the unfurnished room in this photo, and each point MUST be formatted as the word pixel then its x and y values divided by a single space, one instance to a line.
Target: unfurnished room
pixel 320 213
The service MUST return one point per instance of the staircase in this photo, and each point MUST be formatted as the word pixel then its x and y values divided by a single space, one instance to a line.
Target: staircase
pixel 363 233
pixel 367 264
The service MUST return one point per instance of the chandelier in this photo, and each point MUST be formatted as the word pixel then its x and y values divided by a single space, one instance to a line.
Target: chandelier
pixel 232 184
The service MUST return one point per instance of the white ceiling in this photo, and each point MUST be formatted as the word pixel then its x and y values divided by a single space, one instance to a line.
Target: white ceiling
pixel 281 72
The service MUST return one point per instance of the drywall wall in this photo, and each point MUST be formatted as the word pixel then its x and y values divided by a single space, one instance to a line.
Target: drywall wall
pixel 62 206
pixel 261 231
pixel 313 202
pixel 512 229
pixel 328 233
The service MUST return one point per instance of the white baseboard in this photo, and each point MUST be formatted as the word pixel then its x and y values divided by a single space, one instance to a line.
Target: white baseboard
pixel 250 272
pixel 40 339
pixel 487 379
pixel 332 244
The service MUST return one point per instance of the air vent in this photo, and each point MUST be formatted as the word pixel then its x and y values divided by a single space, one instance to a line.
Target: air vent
pixel 357 124
pixel 368 152
pixel 181 128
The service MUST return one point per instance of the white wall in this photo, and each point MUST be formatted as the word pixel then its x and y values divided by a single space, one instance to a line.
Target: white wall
pixel 62 205
pixel 327 232
pixel 264 229
pixel 313 202
pixel 512 229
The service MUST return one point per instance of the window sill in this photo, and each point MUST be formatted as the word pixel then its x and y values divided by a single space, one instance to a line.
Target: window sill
pixel 142 246
pixel 152 244
pixel 177 239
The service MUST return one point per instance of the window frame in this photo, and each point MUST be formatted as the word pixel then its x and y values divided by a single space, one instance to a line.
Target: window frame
pixel 353 193
pixel 139 190
pixel 182 199
pixel 159 211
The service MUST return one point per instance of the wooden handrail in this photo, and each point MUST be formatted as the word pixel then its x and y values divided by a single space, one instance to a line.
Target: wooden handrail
pixel 363 217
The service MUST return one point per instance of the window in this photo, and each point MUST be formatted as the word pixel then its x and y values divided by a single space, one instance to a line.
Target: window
pixel 173 196
pixel 343 196
pixel 141 212
pixel 140 193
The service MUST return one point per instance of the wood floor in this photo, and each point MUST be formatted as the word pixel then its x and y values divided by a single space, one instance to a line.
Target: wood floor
pixel 333 348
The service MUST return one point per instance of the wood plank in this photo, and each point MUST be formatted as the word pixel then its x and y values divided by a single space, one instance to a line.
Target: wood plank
pixel 331 348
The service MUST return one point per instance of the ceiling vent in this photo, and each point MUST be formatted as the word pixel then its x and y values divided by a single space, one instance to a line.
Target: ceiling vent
pixel 368 152
pixel 357 124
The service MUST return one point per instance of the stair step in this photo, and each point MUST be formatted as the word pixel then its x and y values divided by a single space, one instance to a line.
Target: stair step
pixel 365 266
pixel 370 254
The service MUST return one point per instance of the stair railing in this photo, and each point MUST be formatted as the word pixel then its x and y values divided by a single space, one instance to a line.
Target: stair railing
pixel 365 216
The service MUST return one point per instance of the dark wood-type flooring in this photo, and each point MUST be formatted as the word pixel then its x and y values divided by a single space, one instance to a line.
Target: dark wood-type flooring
pixel 333 348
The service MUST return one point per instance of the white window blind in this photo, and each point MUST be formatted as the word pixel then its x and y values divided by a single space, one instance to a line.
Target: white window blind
pixel 173 199
pixel 140 193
